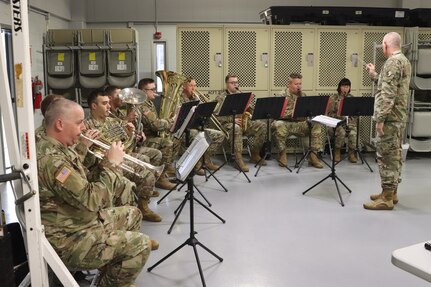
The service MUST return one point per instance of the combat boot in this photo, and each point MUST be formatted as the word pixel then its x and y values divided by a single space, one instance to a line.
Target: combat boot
pixel 282 158
pixel 170 171
pixel 255 158
pixel 164 183
pixel 352 156
pixel 210 165
pixel 155 193
pixel 240 162
pixel 200 172
pixel 376 196
pixel 385 202
pixel 147 213
pixel 314 161
pixel 337 155
pixel 154 244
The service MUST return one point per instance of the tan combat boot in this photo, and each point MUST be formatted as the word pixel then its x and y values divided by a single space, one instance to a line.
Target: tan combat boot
pixel 385 202
pixel 337 155
pixel 164 183
pixel 210 165
pixel 155 193
pixel 376 196
pixel 255 158
pixel 282 159
pixel 147 213
pixel 314 161
pixel 352 156
pixel 154 244
pixel 170 170
pixel 240 162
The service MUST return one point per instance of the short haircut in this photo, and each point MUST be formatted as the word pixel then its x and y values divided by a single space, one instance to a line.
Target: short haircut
pixel 47 101
pixel 145 81
pixel 189 80
pixel 109 90
pixel 293 76
pixel 344 82
pixel 92 97
pixel 228 76
pixel 393 40
pixel 59 108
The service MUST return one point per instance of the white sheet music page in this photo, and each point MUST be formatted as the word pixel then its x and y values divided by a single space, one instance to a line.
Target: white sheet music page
pixel 327 121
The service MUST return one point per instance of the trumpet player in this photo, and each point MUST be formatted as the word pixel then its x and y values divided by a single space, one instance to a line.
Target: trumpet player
pixel 153 125
pixel 281 129
pixel 255 129
pixel 77 214
pixel 112 130
pixel 216 136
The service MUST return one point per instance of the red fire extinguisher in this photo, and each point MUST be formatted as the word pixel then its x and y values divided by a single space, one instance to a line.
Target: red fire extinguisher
pixel 37 86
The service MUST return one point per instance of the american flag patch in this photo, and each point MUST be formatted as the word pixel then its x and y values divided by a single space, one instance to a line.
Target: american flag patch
pixel 63 174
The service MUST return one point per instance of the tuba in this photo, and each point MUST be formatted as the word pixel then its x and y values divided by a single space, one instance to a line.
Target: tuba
pixel 172 88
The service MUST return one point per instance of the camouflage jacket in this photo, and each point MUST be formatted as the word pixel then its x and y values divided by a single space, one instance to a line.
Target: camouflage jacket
pixel 228 119
pixel 334 104
pixel 152 124
pixel 111 130
pixel 291 99
pixel 393 89
pixel 69 203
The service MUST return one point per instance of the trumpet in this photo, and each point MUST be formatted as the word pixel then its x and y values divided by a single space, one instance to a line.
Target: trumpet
pixel 156 169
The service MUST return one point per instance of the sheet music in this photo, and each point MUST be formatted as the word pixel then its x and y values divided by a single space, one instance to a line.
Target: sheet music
pixel 327 121
pixel 180 131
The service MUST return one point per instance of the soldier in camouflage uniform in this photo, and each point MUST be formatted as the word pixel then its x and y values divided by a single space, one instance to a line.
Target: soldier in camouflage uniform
pixel 282 129
pixel 390 114
pixel 216 136
pixel 111 130
pixel 153 126
pixel 255 129
pixel 341 131
pixel 79 220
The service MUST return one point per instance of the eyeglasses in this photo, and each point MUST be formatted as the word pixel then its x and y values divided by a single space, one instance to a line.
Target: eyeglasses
pixel 233 82
pixel 153 89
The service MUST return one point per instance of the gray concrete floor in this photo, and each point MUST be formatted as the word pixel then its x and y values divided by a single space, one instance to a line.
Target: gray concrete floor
pixel 274 236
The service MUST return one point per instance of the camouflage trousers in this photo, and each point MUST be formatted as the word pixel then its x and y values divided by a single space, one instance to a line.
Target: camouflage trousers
pixel 124 189
pixel 142 177
pixel 389 154
pixel 255 129
pixel 216 136
pixel 154 155
pixel 116 247
pixel 340 137
pixel 281 130
pixel 165 145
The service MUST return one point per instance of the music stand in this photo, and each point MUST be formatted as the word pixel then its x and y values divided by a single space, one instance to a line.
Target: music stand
pixel 307 107
pixel 196 117
pixel 233 105
pixel 200 117
pixel 269 108
pixel 356 107
pixel 333 123
pixel 184 170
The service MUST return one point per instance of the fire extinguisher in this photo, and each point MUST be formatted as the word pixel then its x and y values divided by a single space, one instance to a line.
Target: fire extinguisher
pixel 36 86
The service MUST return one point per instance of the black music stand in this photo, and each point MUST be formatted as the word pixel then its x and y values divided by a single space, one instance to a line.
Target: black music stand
pixel 200 117
pixel 356 107
pixel 332 175
pixel 269 108
pixel 233 105
pixel 178 128
pixel 196 117
pixel 190 160
pixel 307 107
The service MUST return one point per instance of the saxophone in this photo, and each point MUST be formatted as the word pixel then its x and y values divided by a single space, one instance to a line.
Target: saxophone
pixel 246 116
